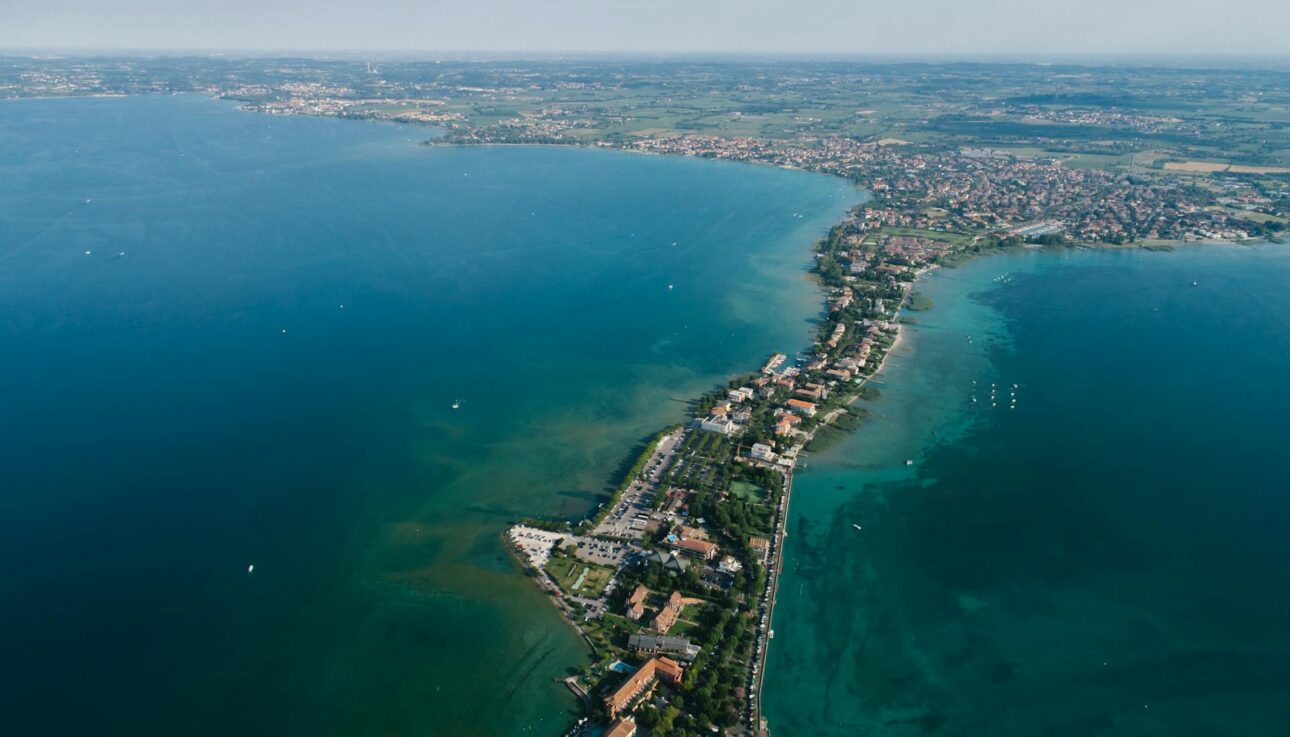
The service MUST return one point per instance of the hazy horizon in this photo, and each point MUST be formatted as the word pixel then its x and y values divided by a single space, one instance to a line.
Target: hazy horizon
pixel 826 28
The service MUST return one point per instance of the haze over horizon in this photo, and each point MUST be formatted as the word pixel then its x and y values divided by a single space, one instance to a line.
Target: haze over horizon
pixel 825 27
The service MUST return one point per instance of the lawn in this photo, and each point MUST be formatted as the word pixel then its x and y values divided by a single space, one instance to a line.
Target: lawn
pixel 579 578
pixel 746 491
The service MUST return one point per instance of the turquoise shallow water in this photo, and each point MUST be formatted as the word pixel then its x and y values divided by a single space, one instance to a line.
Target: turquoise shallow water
pixel 1110 558
pixel 204 402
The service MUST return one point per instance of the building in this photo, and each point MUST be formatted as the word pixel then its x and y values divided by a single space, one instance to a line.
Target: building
pixel 664 669
pixel 669 671
pixel 802 408
pixel 762 452
pixel 690 533
pixel 668 615
pixel 669 561
pixel 740 395
pixel 636 603
pixel 787 424
pixel 699 548
pixel 691 540
pixel 717 423
pixel 760 548
pixel 655 644
pixel 625 727
pixel 813 392
pixel 729 564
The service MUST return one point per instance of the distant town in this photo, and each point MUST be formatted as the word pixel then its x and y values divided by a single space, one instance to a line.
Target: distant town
pixel 671 581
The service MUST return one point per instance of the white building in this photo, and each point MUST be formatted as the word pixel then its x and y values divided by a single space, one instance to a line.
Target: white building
pixel 762 452
pixel 717 423
pixel 728 564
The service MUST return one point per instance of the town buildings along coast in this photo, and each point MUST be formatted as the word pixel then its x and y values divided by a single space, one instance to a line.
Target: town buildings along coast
pixel 672 581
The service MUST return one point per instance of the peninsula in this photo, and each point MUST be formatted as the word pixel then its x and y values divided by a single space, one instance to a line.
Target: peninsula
pixel 672 581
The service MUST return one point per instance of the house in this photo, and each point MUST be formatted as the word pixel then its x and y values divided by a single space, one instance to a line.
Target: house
pixel 760 548
pixel 762 452
pixel 625 727
pixel 729 564
pixel 740 395
pixel 800 407
pixel 668 615
pixel 676 501
pixel 636 603
pixel 655 644
pixel 643 680
pixel 787 423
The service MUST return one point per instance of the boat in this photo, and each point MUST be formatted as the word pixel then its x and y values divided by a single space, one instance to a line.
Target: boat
pixel 456 404
pixel 250 568
pixel 909 461
pixel 855 526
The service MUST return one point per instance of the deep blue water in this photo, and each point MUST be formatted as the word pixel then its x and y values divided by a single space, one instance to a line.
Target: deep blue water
pixel 1112 557
pixel 264 378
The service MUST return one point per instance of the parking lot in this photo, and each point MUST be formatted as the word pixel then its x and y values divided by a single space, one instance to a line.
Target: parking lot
pixel 601 552
pixel 630 516
pixel 533 543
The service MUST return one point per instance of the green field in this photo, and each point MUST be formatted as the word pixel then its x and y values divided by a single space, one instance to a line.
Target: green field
pixel 579 578
pixel 746 491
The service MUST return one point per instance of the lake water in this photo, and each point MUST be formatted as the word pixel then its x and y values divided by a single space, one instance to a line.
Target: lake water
pixel 229 339
pixel 1109 558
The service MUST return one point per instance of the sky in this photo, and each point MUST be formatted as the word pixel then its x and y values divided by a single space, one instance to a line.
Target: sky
pixel 936 27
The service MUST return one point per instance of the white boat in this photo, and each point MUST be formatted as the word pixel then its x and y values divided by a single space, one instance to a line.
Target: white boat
pixel 855 526
pixel 250 568
pixel 456 404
